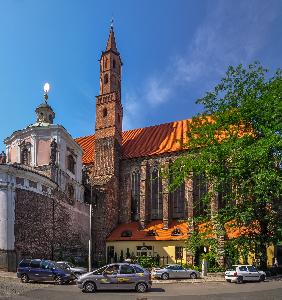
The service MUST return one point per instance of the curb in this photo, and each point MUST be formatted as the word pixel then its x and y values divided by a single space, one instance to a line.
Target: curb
pixel 199 280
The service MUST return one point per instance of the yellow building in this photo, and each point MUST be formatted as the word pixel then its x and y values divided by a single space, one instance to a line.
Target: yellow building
pixel 153 240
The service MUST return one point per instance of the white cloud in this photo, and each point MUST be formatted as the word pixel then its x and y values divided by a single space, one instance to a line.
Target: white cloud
pixel 131 112
pixel 232 33
pixel 157 92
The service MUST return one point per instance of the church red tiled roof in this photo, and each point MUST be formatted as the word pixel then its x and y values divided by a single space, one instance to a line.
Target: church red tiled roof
pixel 138 234
pixel 143 235
pixel 147 141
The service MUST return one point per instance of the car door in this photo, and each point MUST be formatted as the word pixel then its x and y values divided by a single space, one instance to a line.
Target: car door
pixel 179 271
pixel 175 272
pixel 108 279
pixel 253 273
pixel 170 270
pixel 46 272
pixel 127 278
pixel 35 272
pixel 243 271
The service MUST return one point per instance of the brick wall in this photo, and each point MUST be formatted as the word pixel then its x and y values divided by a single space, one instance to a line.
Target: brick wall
pixel 49 226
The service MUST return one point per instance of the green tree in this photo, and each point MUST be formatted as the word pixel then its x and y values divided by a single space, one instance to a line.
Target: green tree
pixel 236 143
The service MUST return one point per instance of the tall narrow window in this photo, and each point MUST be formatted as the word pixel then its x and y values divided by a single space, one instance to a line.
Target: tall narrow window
pixel 70 163
pixel 105 112
pixel 106 79
pixel 114 64
pixel 200 189
pixel 156 195
pixel 177 202
pixel 135 195
pixel 25 153
pixel 225 193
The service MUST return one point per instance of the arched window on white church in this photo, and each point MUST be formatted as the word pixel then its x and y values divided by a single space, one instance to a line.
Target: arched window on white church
pixel 135 195
pixel 156 194
pixel 25 153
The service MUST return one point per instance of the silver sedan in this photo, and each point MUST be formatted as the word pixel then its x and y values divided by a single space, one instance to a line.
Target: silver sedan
pixel 119 276
pixel 174 271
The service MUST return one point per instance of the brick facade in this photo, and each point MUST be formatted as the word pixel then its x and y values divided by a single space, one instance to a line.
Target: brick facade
pixel 48 226
pixel 112 171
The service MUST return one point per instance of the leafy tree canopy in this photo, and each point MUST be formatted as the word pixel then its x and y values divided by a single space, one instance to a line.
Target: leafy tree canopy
pixel 236 143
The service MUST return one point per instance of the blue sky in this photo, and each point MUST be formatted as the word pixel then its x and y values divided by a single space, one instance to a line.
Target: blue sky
pixel 173 52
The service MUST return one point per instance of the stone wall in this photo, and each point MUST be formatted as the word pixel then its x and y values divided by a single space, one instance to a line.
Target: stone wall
pixel 49 227
pixel 105 217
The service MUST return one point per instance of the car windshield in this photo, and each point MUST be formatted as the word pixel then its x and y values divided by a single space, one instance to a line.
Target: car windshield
pixel 56 265
pixel 61 265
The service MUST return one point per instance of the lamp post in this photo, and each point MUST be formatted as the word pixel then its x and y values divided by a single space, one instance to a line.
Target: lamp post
pixel 90 232
pixel 204 264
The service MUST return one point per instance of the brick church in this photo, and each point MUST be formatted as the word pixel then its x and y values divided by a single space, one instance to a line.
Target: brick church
pixel 134 212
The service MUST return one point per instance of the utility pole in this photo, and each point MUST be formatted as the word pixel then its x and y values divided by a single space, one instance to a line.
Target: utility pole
pixel 90 233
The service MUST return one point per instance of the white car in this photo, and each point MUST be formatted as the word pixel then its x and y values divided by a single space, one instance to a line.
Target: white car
pixel 174 271
pixel 241 273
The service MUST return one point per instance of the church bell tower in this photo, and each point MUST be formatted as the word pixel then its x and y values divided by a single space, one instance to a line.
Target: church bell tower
pixel 107 147
pixel 109 112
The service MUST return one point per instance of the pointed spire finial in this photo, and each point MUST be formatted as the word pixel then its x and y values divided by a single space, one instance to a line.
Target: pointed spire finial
pixel 111 44
pixel 112 24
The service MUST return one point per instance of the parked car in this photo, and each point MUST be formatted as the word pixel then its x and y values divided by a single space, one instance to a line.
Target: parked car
pixel 120 276
pixel 42 270
pixel 77 271
pixel 241 273
pixel 174 271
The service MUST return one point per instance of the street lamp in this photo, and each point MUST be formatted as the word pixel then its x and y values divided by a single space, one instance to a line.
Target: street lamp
pixel 46 89
pixel 205 263
pixel 90 232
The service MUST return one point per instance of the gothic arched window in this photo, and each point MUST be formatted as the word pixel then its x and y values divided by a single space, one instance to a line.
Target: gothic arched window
pixel 177 202
pixel 114 64
pixel 200 189
pixel 156 194
pixel 25 153
pixel 105 112
pixel 135 194
pixel 106 78
pixel 70 163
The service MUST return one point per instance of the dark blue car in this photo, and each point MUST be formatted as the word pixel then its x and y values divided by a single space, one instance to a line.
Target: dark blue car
pixel 42 270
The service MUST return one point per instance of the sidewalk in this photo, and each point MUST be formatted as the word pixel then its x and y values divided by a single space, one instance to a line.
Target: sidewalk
pixel 8 274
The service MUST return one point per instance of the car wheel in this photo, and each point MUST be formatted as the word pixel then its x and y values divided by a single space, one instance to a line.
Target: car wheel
pixel 262 278
pixel 141 287
pixel 89 287
pixel 165 276
pixel 193 275
pixel 58 280
pixel 228 280
pixel 24 278
pixel 239 279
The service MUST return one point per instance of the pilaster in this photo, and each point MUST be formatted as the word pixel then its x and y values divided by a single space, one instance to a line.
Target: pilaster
pixel 143 194
pixel 188 184
pixel 165 187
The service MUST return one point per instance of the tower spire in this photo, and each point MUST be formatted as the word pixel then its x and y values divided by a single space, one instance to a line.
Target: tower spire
pixel 111 44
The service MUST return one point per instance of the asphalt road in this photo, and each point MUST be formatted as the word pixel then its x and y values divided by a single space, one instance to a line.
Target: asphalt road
pixel 196 291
